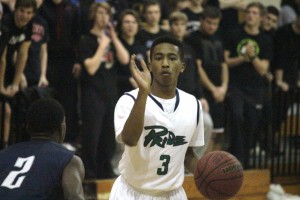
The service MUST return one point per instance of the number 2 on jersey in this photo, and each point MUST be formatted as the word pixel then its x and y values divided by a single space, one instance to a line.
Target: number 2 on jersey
pixel 164 170
pixel 11 181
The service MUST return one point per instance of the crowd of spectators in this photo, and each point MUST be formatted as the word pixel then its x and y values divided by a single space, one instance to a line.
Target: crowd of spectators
pixel 78 51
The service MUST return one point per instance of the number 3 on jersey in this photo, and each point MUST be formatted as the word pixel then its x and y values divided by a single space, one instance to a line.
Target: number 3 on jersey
pixel 13 180
pixel 164 170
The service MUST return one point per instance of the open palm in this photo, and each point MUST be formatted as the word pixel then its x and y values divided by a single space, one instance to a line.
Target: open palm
pixel 142 78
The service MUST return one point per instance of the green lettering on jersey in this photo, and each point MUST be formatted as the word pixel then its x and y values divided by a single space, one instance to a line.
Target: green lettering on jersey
pixel 160 136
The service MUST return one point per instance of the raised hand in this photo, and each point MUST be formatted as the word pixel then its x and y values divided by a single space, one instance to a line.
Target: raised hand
pixel 104 40
pixel 142 78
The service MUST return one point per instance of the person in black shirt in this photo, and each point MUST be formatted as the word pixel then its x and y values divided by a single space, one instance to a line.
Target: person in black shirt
pixel 151 29
pixel 127 27
pixel 4 34
pixel 98 51
pixel 270 20
pixel 189 80
pixel 36 66
pixel 63 68
pixel 248 53
pixel 194 13
pixel 287 68
pixel 41 168
pixel 19 25
pixel 212 67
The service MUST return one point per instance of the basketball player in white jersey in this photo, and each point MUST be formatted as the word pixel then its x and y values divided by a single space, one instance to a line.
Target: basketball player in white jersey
pixel 159 125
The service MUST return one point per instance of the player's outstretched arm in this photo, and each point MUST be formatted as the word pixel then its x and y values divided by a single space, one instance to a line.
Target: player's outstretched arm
pixel 135 122
pixel 190 160
pixel 72 179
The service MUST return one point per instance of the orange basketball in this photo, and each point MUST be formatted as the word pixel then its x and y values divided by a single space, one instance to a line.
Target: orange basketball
pixel 219 175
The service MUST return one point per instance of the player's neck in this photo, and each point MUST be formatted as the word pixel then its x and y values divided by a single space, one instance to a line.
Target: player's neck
pixel 163 92
pixel 44 136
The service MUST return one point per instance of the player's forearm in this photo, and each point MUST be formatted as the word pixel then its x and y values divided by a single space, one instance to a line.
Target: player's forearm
pixel 190 160
pixel 72 178
pixel 135 123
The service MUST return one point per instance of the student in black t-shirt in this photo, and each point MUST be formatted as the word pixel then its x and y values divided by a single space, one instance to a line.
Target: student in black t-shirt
pixel 189 81
pixel 151 28
pixel 20 30
pixel 286 69
pixel 3 48
pixel 194 12
pixel 248 53
pixel 42 168
pixel 212 67
pixel 230 13
pixel 63 69
pixel 98 51
pixel 270 20
pixel 19 24
pixel 3 42
pixel 36 66
pixel 127 27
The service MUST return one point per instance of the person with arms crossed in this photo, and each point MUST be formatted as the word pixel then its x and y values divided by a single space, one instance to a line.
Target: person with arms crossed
pixel 159 125
pixel 41 168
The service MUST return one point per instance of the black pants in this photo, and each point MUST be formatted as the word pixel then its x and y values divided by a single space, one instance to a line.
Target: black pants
pixel 61 79
pixel 243 124
pixel 98 139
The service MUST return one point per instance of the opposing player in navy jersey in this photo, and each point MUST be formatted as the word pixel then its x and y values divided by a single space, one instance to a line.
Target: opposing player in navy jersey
pixel 159 125
pixel 41 168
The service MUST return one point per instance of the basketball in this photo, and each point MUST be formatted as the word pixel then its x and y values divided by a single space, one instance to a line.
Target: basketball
pixel 219 175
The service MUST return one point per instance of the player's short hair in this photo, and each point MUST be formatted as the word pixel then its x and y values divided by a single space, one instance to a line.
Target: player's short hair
pixel 211 12
pixel 44 116
pixel 178 16
pixel 273 10
pixel 167 39
pixel 258 5
pixel 26 4
pixel 149 3
pixel 94 7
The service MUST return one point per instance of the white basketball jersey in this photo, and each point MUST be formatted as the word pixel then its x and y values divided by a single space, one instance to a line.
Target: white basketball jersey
pixel 156 164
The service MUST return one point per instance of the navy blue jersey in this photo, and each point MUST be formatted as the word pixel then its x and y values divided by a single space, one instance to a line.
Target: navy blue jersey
pixel 33 170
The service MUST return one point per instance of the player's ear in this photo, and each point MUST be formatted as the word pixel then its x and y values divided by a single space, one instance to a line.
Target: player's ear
pixel 62 131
